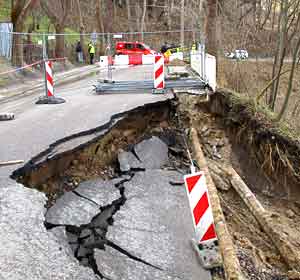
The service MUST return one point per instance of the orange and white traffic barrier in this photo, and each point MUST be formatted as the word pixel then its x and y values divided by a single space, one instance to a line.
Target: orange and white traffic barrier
pixel 200 206
pixel 159 75
pixel 49 78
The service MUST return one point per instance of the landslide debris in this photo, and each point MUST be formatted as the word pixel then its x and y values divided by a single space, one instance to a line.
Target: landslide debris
pixel 234 135
pixel 142 231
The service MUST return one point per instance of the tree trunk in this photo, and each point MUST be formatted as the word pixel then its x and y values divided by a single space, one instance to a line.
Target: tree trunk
pixel 99 16
pixel 60 41
pixel 109 20
pixel 170 4
pixel 17 45
pixel 281 51
pixel 182 24
pixel 143 19
pixel 137 15
pixel 129 19
pixel 81 26
pixel 290 85
pixel 211 28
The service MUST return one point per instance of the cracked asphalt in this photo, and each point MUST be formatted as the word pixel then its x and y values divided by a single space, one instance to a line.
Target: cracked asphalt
pixel 152 228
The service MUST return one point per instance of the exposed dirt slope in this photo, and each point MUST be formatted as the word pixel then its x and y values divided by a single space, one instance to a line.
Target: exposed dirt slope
pixel 234 134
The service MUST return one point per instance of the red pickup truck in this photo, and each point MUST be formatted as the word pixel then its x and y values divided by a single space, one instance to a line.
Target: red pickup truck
pixel 127 48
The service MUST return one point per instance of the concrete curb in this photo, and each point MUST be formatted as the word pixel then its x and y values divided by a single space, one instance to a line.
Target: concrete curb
pixel 61 81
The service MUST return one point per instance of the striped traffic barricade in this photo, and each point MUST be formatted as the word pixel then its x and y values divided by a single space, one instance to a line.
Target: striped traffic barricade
pixel 205 242
pixel 159 74
pixel 49 98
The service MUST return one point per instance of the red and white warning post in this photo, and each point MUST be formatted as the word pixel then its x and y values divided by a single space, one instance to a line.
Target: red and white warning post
pixel 205 244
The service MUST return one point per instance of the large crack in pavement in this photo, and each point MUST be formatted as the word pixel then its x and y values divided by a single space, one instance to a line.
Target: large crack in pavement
pixel 121 226
pixel 85 239
pixel 139 219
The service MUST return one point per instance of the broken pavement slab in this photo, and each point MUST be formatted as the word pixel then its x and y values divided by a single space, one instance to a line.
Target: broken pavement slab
pixel 153 153
pixel 62 239
pixel 155 224
pixel 78 209
pixel 70 209
pixel 28 250
pixel 101 192
pixel 117 266
pixel 128 161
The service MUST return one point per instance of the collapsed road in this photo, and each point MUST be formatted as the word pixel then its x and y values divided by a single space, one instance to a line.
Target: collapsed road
pixel 101 196
pixel 141 217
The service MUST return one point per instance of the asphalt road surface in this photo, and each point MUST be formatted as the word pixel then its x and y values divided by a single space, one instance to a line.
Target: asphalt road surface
pixel 27 249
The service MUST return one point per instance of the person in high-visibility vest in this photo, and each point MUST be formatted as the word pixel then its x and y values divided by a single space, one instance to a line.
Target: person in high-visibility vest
pixel 194 47
pixel 91 50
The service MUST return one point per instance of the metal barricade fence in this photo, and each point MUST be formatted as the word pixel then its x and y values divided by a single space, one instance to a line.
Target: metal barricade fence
pixel 64 45
pixel 27 48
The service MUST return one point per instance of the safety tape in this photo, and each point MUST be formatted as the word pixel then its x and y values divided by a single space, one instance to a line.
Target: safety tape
pixel 30 65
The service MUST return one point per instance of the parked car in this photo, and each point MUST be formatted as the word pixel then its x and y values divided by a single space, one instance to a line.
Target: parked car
pixel 237 54
pixel 127 48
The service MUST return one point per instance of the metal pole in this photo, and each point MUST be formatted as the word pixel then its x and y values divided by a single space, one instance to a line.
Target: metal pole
pixel 204 61
pixel 109 74
pixel 44 63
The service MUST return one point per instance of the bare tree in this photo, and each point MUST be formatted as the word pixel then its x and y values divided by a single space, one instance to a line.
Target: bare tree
pixel 211 27
pixel 57 11
pixel 81 24
pixel 129 17
pixel 288 28
pixel 143 19
pixel 19 11
pixel 170 10
pixel 182 19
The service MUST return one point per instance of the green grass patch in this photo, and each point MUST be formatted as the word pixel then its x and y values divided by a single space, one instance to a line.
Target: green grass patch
pixel 5 11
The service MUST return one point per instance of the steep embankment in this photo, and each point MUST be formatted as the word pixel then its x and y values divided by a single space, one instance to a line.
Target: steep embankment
pixel 247 152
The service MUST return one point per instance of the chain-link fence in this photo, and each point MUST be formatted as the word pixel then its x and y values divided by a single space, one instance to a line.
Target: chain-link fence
pixel 27 48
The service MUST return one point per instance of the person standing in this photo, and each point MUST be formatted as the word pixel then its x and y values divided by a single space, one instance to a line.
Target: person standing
pixel 79 53
pixel 91 50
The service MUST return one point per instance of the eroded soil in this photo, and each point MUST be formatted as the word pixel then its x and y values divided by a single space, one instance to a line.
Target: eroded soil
pixel 259 257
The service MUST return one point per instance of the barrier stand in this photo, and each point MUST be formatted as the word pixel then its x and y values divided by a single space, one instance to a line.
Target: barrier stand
pixel 49 82
pixel 159 75
pixel 6 116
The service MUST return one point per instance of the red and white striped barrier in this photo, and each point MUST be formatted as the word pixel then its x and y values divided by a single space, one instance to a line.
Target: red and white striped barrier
pixel 200 206
pixel 124 60
pixel 159 75
pixel 49 98
pixel 49 78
